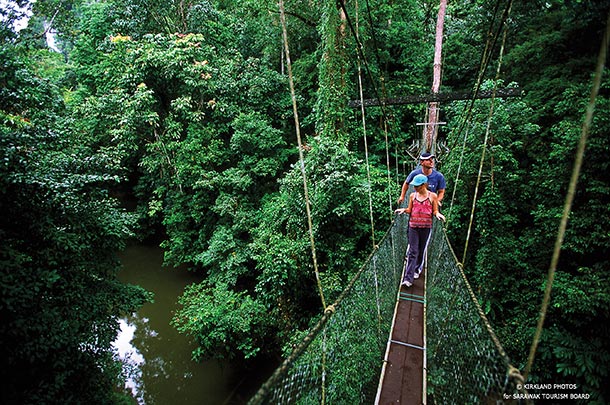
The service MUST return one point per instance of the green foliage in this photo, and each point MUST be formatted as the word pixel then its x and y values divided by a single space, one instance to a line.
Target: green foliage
pixel 338 195
pixel 521 197
pixel 186 106
pixel 60 232
pixel 194 116
pixel 577 360
pixel 223 322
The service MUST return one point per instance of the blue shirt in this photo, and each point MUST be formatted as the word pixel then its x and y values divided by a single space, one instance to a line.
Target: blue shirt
pixel 436 180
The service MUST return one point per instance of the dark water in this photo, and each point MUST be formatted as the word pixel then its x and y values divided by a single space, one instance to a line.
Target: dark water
pixel 158 357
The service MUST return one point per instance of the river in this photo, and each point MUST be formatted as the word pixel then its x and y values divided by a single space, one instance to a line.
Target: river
pixel 157 357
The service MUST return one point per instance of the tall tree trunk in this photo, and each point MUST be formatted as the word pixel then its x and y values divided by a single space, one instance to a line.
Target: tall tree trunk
pixel 332 92
pixel 431 129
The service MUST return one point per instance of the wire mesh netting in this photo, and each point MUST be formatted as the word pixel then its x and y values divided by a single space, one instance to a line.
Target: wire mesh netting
pixel 466 363
pixel 340 361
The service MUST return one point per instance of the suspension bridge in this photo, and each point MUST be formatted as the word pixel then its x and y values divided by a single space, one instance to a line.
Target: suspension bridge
pixel 431 343
pixel 379 344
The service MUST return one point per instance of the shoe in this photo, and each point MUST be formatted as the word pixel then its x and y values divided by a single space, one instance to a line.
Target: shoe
pixel 406 284
pixel 416 276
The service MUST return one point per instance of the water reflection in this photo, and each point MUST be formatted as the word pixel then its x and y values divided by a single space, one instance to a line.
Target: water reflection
pixel 132 359
pixel 157 358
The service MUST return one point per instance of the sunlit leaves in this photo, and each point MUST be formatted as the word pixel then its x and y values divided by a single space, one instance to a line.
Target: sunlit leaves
pixel 224 323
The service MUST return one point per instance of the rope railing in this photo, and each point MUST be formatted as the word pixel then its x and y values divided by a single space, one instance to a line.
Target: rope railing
pixel 466 362
pixel 343 351
pixel 341 357
pixel 578 161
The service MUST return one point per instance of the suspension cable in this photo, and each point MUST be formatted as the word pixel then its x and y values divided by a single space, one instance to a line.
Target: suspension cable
pixel 467 112
pixel 360 51
pixel 457 176
pixel 492 38
pixel 368 173
pixel 366 147
pixel 601 60
pixel 387 158
pixel 301 159
pixel 487 130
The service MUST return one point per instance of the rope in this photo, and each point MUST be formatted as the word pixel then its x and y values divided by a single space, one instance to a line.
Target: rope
pixel 487 130
pixel 465 352
pixel 473 297
pixel 373 36
pixel 301 159
pixel 368 174
pixel 457 176
pixel 262 393
pixel 366 147
pixel 485 59
pixel 377 300
pixel 360 52
pixel 387 157
pixel 601 60
pixel 467 113
pixel 391 198
pixel 329 311
pixel 323 379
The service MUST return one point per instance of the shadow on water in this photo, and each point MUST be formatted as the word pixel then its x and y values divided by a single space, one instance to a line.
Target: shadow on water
pixel 157 358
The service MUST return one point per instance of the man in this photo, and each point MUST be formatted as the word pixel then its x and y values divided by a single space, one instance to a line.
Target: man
pixel 436 180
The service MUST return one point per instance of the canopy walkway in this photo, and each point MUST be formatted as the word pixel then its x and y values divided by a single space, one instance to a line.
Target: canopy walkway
pixel 365 347
pixel 432 343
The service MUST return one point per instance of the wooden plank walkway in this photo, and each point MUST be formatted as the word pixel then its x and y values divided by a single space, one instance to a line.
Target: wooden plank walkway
pixel 403 377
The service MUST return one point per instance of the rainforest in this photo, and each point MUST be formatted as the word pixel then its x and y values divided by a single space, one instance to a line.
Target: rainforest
pixel 186 124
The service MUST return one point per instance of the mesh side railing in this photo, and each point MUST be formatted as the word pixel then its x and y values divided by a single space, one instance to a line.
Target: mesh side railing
pixel 466 363
pixel 340 360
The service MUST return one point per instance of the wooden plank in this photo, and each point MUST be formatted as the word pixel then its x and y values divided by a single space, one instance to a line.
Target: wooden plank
pixel 437 97
pixel 403 380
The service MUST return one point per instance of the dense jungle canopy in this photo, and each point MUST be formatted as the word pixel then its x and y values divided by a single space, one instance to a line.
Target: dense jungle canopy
pixel 183 106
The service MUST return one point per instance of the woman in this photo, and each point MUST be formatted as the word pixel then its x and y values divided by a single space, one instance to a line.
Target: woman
pixel 423 204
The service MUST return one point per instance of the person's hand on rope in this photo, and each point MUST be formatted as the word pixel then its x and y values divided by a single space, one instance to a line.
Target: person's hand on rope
pixel 401 211
pixel 440 217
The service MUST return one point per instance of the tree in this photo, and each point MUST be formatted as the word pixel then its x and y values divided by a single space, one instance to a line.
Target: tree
pixel 60 298
pixel 525 180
